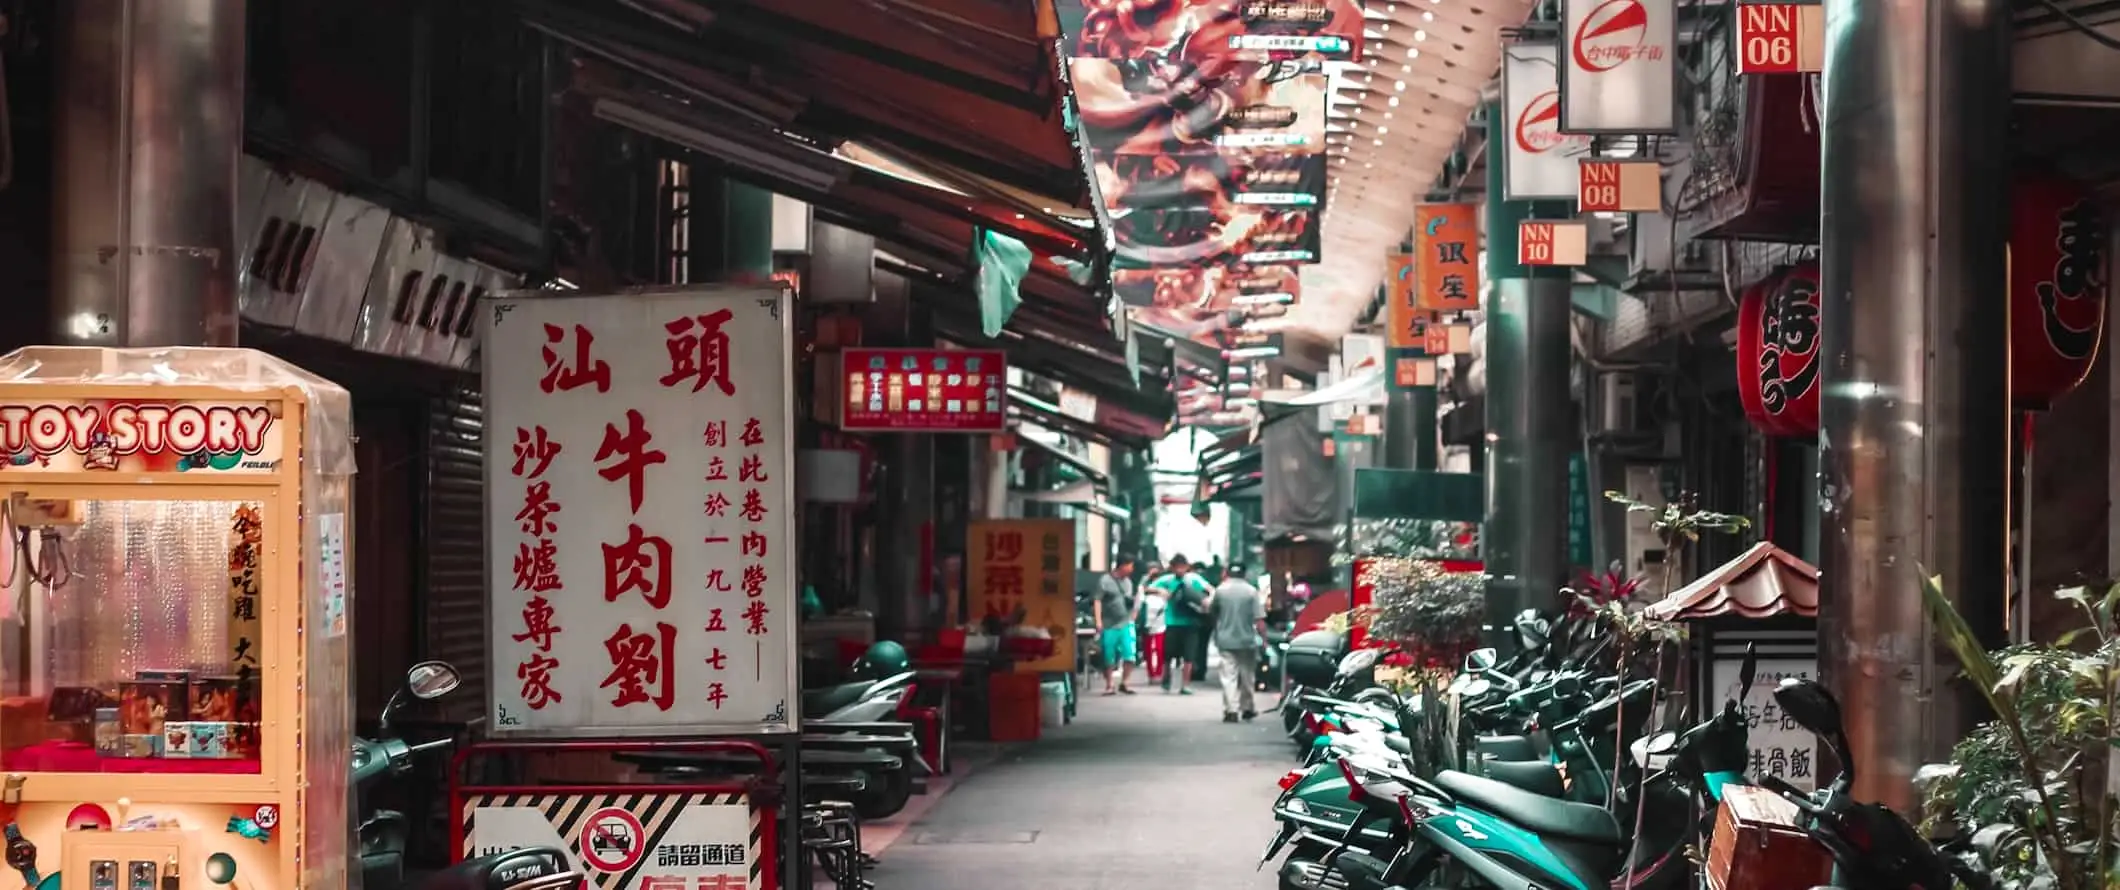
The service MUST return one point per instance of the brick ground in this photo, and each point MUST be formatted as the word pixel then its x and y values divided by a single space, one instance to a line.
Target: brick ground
pixel 1140 793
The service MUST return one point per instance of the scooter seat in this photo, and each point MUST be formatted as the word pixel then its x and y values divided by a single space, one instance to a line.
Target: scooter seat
pixel 1537 812
pixel 819 702
pixel 1535 776
pixel 1506 747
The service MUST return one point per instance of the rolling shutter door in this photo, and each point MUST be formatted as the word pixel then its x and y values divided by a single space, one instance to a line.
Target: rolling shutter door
pixel 452 544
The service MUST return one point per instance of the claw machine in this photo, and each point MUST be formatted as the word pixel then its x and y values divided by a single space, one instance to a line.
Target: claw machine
pixel 175 699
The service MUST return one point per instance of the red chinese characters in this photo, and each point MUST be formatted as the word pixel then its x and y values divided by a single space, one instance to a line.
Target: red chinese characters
pixel 585 369
pixel 641 667
pixel 699 352
pixel 629 456
pixel 743 501
pixel 641 563
pixel 536 563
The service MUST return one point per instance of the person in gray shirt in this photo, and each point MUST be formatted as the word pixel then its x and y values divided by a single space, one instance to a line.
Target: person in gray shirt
pixel 1239 622
pixel 1116 610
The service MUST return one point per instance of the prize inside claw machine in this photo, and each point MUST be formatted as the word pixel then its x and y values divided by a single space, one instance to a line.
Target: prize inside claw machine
pixel 175 703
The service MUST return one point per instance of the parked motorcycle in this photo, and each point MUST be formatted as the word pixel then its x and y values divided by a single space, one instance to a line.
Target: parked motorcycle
pixel 1873 847
pixel 384 834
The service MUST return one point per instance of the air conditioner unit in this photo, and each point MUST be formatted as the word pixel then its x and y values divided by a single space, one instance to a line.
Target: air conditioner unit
pixel 1616 402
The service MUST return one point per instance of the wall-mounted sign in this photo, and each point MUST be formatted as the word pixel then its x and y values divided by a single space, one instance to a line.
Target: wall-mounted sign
pixel 70 436
pixel 1620 187
pixel 1208 29
pixel 1540 162
pixel 1781 38
pixel 923 390
pixel 1446 250
pixel 1619 73
pixel 1547 242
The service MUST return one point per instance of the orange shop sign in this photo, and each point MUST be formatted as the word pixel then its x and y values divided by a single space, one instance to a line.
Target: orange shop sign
pixel 1446 250
pixel 1022 575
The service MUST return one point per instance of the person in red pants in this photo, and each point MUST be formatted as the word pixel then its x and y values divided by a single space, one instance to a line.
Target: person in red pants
pixel 1154 608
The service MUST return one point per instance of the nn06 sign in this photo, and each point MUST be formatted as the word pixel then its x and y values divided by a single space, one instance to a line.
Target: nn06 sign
pixel 1780 38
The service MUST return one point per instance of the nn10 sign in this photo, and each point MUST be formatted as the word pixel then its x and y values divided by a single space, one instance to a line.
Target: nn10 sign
pixel 1619 66
pixel 1781 38
pixel 1552 243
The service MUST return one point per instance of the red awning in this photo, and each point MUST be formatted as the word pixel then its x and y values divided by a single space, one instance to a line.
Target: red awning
pixel 1764 582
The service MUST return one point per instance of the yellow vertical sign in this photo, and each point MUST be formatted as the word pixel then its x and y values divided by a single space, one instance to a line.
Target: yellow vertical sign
pixel 1022 573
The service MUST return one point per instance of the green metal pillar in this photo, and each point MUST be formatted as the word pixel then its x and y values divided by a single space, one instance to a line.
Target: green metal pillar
pixel 1524 539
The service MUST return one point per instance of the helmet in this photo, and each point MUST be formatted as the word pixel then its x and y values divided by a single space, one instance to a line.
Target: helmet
pixel 883 659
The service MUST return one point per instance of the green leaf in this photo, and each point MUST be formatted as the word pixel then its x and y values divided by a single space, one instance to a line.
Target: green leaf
pixel 2014 669
pixel 2106 606
pixel 2079 595
pixel 1951 627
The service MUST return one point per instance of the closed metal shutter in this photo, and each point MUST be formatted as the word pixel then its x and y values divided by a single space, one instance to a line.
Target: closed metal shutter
pixel 452 545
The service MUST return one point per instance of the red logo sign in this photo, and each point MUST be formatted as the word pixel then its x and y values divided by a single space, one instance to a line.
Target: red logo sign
pixel 1614 33
pixel 1538 127
pixel 927 390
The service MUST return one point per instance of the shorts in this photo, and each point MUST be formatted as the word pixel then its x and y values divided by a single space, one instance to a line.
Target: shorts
pixel 1187 643
pixel 1117 644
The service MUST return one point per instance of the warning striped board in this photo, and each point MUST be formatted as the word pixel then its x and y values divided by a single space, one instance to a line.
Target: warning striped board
pixel 643 841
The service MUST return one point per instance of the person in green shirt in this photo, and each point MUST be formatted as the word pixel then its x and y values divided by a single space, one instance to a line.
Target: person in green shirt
pixel 1185 639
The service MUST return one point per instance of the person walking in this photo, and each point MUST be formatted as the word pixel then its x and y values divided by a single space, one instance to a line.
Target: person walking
pixel 1154 623
pixel 1116 611
pixel 1239 622
pixel 1185 622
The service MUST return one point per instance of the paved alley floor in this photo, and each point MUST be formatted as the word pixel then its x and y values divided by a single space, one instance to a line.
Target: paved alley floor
pixel 1140 792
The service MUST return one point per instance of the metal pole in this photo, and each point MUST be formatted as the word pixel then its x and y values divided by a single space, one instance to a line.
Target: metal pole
pixel 1915 445
pixel 1410 440
pixel 145 148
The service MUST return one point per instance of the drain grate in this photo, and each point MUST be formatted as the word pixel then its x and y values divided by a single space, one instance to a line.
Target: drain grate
pixel 975 836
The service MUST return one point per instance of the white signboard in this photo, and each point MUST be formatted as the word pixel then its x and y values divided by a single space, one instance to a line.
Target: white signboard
pixel 676 842
pixel 1541 160
pixel 1779 746
pixel 640 525
pixel 1619 68
pixel 1364 353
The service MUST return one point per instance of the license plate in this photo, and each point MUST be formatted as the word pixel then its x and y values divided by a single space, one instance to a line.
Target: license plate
pixel 1288 830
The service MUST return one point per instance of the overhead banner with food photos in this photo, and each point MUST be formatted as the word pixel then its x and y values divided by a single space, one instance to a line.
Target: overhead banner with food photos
pixel 1199 302
pixel 1205 123
pixel 1199 30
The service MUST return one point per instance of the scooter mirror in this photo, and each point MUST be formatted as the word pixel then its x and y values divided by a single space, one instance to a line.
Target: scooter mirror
pixel 432 679
pixel 1748 672
pixel 1481 660
pixel 1810 705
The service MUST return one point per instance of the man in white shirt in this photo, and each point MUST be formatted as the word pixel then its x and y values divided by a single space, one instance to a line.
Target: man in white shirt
pixel 1238 622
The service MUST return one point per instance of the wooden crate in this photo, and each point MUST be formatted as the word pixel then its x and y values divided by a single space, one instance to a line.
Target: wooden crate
pixel 1759 845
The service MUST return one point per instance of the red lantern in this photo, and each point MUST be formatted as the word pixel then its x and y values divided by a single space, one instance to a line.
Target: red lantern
pixel 2058 284
pixel 1779 370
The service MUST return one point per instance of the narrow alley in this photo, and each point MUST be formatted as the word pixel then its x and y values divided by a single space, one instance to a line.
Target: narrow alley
pixel 1140 792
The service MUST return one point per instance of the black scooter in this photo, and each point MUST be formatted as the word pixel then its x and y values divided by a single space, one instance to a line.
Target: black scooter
pixel 1873 847
pixel 384 833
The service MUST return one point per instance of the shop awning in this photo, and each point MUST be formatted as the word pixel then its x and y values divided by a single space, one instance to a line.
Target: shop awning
pixel 1184 356
pixel 1094 476
pixel 1764 582
pixel 1027 408
pixel 971 85
pixel 1360 386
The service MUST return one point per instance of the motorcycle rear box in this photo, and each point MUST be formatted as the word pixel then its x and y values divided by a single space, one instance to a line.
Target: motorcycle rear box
pixel 1758 846
pixel 1314 657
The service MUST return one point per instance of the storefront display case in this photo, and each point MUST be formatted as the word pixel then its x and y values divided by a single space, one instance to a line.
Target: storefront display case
pixel 175 695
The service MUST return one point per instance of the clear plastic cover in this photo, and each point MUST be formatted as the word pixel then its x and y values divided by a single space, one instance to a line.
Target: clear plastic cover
pixel 327 467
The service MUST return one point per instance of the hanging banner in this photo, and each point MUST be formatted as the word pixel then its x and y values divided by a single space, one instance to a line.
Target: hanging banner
pixel 1619 74
pixel 1190 295
pixel 1220 236
pixel 1780 37
pixel 1204 29
pixel 1022 579
pixel 1446 248
pixel 1619 187
pixel 640 538
pixel 1540 161
pixel 1142 108
pixel 1242 176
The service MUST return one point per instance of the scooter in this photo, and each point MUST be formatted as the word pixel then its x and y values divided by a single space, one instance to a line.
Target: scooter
pixel 1873 847
pixel 1520 841
pixel 383 834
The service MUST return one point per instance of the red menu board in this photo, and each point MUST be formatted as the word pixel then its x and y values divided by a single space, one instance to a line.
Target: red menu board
pixel 924 390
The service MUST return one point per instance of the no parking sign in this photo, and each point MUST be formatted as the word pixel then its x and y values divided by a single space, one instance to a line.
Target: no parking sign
pixel 614 840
